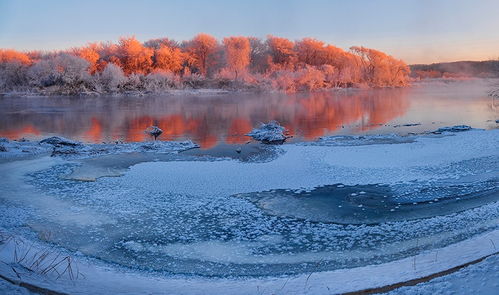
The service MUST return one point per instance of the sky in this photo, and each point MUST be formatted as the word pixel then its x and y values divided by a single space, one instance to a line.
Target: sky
pixel 417 31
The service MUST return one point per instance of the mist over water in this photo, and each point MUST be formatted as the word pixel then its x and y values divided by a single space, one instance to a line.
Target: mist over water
pixel 226 118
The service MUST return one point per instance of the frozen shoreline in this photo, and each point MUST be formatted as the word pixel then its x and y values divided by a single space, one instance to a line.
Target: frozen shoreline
pixel 99 278
pixel 59 146
pixel 300 167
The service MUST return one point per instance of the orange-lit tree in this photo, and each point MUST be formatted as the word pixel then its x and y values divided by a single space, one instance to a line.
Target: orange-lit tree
pixel 202 49
pixel 134 57
pixel 311 52
pixel 162 64
pixel 282 52
pixel 237 52
pixel 169 59
pixel 9 55
pixel 91 54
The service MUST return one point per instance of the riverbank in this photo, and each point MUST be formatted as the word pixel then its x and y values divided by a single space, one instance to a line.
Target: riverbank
pixel 214 221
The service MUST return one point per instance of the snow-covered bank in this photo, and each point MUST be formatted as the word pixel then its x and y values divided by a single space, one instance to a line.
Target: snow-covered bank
pixel 479 278
pixel 166 92
pixel 96 278
pixel 72 149
pixel 219 226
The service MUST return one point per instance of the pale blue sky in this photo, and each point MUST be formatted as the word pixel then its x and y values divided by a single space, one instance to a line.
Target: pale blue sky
pixel 414 30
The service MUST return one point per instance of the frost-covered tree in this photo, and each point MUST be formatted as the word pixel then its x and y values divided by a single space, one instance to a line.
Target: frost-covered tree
pixel 68 72
pixel 380 69
pixel 91 54
pixel 282 52
pixel 9 55
pixel 237 52
pixel 72 70
pixel 158 64
pixel 13 69
pixel 202 49
pixel 311 51
pixel 13 76
pixel 134 57
pixel 42 74
pixel 259 55
pixel 111 78
pixel 158 43
pixel 169 59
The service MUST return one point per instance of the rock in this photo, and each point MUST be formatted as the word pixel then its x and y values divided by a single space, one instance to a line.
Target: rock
pixel 407 125
pixel 2 148
pixel 238 150
pixel 3 139
pixel 60 141
pixel 457 128
pixel 497 121
pixel 154 131
pixel 271 132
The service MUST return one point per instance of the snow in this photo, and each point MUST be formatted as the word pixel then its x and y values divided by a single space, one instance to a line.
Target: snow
pixel 60 141
pixel 154 131
pixel 102 279
pixel 193 214
pixel 457 128
pixel 11 289
pixel 268 133
pixel 306 167
pixel 479 278
pixel 356 140
pixel 59 146
pixel 21 148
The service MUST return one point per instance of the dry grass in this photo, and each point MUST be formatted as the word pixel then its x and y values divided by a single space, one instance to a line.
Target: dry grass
pixel 46 261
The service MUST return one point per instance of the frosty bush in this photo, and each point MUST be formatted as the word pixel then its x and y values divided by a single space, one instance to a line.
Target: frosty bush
pixel 194 80
pixel 13 76
pixel 72 71
pixel 134 82
pixel 68 72
pixel 111 78
pixel 284 81
pixel 309 78
pixel 42 74
pixel 161 80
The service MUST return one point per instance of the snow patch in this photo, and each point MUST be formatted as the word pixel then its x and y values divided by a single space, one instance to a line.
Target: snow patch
pixel 271 132
pixel 457 128
pixel 60 146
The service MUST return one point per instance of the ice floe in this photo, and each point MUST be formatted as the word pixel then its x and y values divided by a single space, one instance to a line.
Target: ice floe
pixel 456 128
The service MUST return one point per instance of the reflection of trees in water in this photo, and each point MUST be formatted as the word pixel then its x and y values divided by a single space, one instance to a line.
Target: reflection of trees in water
pixel 494 103
pixel 324 113
pixel 206 120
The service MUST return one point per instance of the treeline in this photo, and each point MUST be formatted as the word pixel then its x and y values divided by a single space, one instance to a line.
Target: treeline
pixel 203 62
pixel 459 69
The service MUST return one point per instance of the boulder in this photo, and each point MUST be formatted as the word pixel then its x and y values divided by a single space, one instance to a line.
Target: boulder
pixel 60 141
pixel 271 132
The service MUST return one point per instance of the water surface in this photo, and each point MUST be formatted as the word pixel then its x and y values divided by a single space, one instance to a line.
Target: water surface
pixel 225 119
